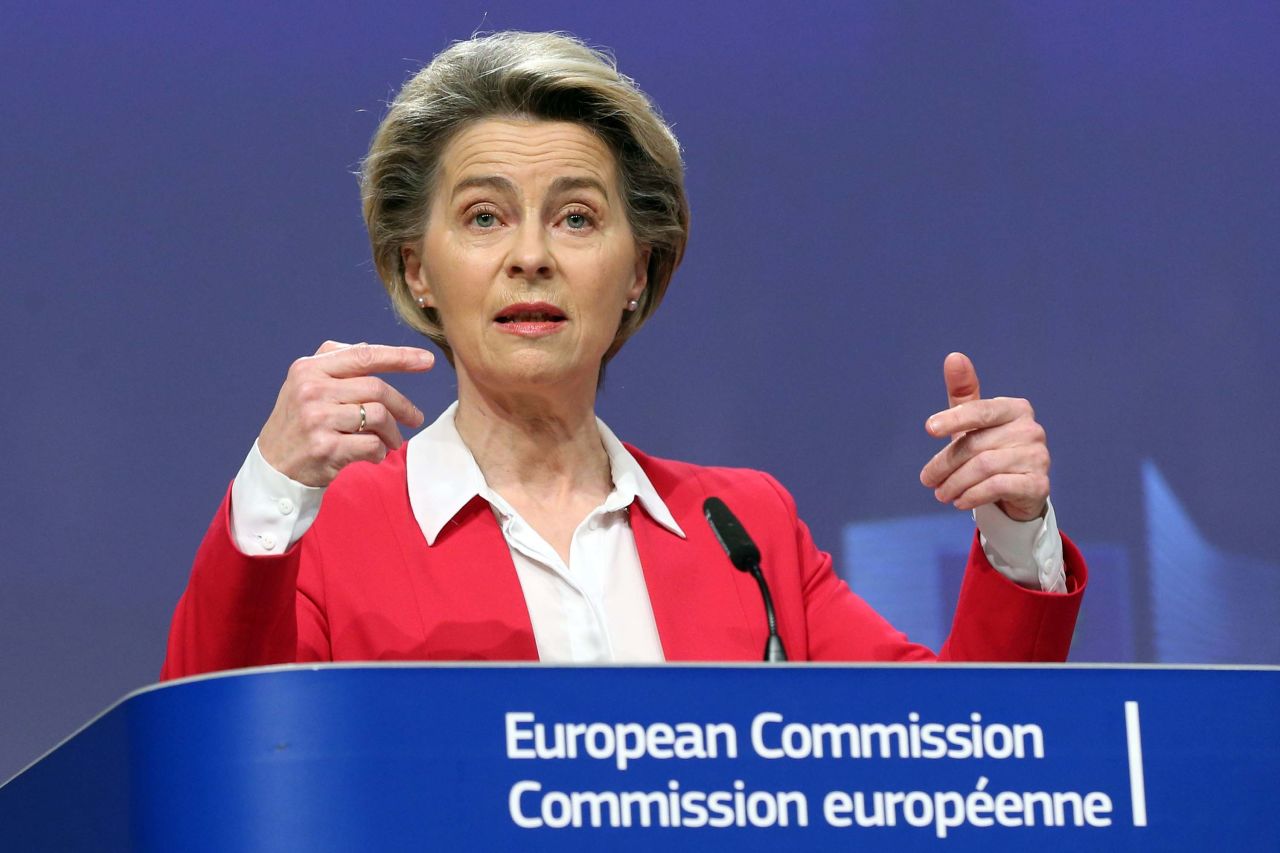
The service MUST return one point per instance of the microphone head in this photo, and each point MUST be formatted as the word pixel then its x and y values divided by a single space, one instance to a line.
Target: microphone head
pixel 742 552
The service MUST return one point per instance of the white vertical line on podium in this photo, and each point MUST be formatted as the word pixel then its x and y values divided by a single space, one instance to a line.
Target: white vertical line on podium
pixel 1137 786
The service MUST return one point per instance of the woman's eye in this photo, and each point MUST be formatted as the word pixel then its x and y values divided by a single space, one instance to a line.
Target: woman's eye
pixel 577 221
pixel 485 220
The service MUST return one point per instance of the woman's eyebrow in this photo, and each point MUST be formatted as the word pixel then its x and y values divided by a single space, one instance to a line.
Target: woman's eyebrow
pixel 496 182
pixel 569 183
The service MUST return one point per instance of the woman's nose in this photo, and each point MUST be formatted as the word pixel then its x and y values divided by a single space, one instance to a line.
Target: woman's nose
pixel 530 256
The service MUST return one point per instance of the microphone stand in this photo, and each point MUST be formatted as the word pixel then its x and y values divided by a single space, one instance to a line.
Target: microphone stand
pixel 773 650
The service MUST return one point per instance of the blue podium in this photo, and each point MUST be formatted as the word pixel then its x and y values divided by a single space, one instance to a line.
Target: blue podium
pixel 526 757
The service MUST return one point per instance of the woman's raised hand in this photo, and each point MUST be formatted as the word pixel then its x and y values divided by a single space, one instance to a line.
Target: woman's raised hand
pixel 332 411
pixel 997 453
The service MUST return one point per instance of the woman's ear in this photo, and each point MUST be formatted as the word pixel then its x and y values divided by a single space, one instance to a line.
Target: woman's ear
pixel 415 276
pixel 641 273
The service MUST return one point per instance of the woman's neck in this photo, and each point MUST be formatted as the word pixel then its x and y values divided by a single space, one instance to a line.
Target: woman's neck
pixel 533 446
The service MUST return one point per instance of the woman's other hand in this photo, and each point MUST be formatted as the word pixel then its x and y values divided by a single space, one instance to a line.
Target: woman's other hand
pixel 333 411
pixel 997 453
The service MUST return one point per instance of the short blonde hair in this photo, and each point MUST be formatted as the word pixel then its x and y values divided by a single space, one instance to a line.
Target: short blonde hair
pixel 548 76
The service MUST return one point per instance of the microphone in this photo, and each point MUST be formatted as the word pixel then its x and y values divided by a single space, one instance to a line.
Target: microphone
pixel 745 557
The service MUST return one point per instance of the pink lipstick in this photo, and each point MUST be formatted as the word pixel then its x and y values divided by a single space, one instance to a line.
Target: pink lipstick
pixel 531 319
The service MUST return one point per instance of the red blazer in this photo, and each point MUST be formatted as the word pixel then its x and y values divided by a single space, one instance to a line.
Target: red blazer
pixel 362 584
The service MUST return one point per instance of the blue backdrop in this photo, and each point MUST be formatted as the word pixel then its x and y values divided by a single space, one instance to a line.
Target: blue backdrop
pixel 1081 196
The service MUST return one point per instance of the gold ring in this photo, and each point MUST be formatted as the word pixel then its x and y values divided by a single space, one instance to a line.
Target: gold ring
pixel 363 420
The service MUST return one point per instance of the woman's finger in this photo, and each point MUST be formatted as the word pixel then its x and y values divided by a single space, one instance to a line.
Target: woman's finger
pixel 365 389
pixel 977 414
pixel 1022 497
pixel 368 418
pixel 961 379
pixel 360 447
pixel 960 450
pixel 366 359
pixel 331 346
pixel 1031 459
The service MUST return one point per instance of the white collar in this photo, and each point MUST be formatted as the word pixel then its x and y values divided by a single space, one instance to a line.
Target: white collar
pixel 443 477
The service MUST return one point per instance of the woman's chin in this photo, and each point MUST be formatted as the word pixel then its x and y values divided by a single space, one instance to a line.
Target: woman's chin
pixel 536 371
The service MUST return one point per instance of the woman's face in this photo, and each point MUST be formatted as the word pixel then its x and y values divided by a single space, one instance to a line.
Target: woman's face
pixel 528 256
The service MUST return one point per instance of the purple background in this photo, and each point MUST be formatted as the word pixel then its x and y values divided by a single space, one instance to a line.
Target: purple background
pixel 1081 196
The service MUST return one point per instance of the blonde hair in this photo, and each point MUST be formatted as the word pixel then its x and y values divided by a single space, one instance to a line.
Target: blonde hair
pixel 549 76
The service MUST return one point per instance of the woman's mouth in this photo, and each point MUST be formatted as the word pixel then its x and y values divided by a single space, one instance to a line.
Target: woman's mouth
pixel 531 319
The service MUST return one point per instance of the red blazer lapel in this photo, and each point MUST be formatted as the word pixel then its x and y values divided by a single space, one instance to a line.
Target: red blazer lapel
pixel 471 604
pixel 696 594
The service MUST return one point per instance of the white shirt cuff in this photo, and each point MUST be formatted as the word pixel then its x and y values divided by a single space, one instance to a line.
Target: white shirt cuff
pixel 269 511
pixel 1029 553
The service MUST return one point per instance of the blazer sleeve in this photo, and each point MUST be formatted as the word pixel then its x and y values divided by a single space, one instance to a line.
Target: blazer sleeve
pixel 995 619
pixel 239 611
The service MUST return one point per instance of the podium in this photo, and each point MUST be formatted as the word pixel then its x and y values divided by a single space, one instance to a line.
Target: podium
pixel 707 757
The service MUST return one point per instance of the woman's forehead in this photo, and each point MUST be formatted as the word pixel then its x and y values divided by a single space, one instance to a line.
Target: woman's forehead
pixel 527 152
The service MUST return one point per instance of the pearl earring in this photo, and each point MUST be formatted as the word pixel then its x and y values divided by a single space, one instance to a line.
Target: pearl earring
pixel 422 302
pixel 633 304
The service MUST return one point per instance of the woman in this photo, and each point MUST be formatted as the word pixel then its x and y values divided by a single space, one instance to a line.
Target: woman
pixel 526 210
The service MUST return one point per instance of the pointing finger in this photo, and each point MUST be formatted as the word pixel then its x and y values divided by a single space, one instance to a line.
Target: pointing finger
pixel 977 414
pixel 364 359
